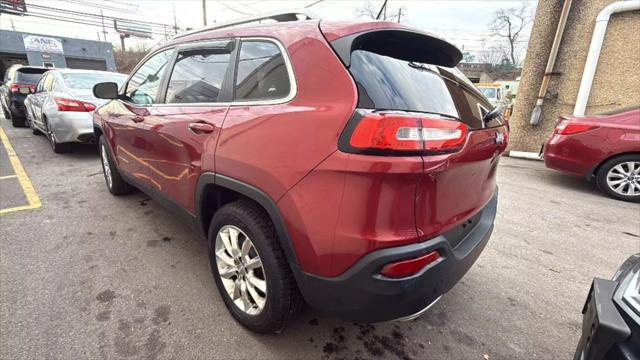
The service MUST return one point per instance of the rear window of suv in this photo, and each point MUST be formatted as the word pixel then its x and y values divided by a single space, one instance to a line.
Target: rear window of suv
pixel 388 83
pixel 29 76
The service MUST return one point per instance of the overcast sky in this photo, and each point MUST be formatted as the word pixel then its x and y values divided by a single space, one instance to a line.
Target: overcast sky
pixel 464 23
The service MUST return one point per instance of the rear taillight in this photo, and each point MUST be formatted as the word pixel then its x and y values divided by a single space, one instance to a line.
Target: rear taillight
pixel 73 105
pixel 15 87
pixel 404 268
pixel 384 133
pixel 569 128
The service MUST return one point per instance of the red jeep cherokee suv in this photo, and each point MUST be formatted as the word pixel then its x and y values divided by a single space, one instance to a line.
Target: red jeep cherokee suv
pixel 345 164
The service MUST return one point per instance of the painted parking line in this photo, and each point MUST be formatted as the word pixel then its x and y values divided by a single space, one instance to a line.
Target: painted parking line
pixel 27 187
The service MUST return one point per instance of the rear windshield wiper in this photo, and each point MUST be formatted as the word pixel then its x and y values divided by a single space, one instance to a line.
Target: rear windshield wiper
pixel 421 112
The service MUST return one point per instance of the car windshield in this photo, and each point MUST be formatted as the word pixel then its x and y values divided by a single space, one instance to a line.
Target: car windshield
pixel 489 92
pixel 88 80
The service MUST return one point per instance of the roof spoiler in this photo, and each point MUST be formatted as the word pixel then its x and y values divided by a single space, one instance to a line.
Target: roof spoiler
pixel 401 44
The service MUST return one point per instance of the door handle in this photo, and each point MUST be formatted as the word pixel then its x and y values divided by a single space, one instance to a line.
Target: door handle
pixel 201 128
pixel 137 118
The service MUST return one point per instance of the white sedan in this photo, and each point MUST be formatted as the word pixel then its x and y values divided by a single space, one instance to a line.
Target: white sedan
pixel 62 104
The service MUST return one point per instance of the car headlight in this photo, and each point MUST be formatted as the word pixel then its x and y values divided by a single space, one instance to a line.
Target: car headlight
pixel 627 295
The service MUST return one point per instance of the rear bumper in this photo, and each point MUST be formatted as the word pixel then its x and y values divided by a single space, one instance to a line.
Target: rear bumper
pixel 605 333
pixel 72 126
pixel 362 294
pixel 564 154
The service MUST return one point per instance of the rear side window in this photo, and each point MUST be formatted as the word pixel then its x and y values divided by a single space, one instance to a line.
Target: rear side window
pixel 197 77
pixel 262 73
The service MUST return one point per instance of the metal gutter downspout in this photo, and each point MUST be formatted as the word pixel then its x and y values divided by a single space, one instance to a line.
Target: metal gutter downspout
pixel 537 110
pixel 594 50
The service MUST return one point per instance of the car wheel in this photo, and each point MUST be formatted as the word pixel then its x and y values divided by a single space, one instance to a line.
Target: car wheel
pixel 33 128
pixel 57 147
pixel 16 121
pixel 250 269
pixel 620 177
pixel 115 182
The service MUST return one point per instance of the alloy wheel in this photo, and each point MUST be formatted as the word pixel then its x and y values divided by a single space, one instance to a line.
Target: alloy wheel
pixel 241 270
pixel 624 178
pixel 106 167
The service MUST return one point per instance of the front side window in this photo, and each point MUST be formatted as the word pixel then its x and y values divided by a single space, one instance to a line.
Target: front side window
pixel 143 86
pixel 262 73
pixel 197 77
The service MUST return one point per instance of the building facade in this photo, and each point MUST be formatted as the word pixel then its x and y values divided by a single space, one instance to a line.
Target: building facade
pixel 617 79
pixel 54 51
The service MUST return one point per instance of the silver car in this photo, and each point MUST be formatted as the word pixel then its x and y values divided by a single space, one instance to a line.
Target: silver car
pixel 62 104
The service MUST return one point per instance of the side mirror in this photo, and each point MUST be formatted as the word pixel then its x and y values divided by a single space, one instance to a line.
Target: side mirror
pixel 106 90
pixel 497 111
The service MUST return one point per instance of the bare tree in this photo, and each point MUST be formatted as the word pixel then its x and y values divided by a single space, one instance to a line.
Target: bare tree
pixel 492 53
pixel 508 25
pixel 371 11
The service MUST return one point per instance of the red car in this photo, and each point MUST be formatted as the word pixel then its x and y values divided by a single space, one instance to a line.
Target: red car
pixel 345 164
pixel 603 147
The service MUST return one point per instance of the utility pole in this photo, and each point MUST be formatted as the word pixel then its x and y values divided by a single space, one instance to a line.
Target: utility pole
pixel 204 12
pixel 104 30
pixel 122 36
pixel 175 22
pixel 399 14
pixel 12 26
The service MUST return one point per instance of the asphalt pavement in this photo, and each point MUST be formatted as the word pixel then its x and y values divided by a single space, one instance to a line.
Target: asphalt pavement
pixel 91 276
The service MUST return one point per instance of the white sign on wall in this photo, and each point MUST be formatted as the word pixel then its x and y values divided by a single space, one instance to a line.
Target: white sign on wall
pixel 42 44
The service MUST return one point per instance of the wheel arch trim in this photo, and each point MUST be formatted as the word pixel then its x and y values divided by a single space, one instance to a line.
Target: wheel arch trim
pixel 593 172
pixel 255 194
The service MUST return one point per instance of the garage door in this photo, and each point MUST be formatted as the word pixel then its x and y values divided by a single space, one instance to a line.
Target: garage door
pixel 86 64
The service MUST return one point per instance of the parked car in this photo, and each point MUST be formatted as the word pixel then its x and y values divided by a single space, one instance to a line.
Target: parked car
pixel 19 81
pixel 604 148
pixel 62 104
pixel 611 321
pixel 347 164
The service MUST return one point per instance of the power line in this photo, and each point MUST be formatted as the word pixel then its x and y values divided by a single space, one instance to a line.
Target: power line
pixel 314 3
pixel 235 10
pixel 94 15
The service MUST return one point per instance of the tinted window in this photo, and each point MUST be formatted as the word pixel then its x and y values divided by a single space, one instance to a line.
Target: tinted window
pixel 29 76
pixel 87 80
pixel 197 77
pixel 145 82
pixel 262 73
pixel 388 83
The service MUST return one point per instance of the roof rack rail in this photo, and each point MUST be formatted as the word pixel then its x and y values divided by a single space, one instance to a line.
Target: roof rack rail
pixel 279 16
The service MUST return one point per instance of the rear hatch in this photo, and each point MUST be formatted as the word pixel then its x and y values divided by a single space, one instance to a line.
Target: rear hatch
pixel 413 101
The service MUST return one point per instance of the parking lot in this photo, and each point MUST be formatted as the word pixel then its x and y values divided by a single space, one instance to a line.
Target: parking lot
pixel 89 275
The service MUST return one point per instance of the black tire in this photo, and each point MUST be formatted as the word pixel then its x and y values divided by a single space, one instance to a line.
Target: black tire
pixel 117 185
pixel 283 299
pixel 58 148
pixel 603 171
pixel 16 121
pixel 34 130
